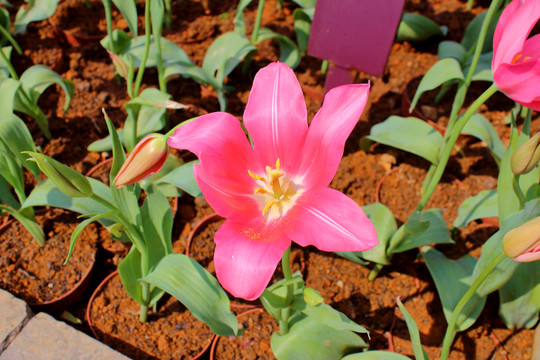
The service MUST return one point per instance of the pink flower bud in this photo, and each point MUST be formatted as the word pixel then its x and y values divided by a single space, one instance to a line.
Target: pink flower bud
pixel 523 243
pixel 120 65
pixel 146 159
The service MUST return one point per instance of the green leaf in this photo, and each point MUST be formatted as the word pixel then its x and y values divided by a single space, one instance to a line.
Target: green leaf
pixel 472 33
pixel 130 273
pixel 302 27
pixel 376 355
pixel 157 222
pixel 8 88
pixel 69 181
pixel 492 248
pixel 4 70
pixel 36 79
pixel 520 297
pixel 105 144
pixel 422 228
pixel 325 314
pixel 239 22
pixel 480 127
pixel 483 68
pixel 385 225
pixel 47 194
pixel 289 53
pixel 453 278
pixel 197 289
pixel 170 52
pixel 445 70
pixel 157 14
pixel 416 27
pixel 225 53
pixel 451 49
pixel 310 339
pixel 128 10
pixel 41 10
pixel 6 196
pixel 80 227
pixel 18 139
pixel 183 178
pixel 419 353
pixel 482 205
pixel 29 224
pixel 409 134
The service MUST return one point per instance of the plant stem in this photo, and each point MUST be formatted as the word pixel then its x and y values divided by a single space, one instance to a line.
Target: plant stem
pixel 451 330
pixel 108 18
pixel 450 142
pixel 148 38
pixel 257 26
pixel 464 86
pixel 10 67
pixel 10 39
pixel 287 273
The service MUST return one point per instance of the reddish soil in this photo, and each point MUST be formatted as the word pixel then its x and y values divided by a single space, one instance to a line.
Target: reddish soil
pixel 391 176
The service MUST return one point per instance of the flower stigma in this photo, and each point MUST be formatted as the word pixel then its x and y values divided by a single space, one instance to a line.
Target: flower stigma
pixel 276 193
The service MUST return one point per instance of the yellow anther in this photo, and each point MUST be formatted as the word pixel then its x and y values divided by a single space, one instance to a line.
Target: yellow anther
pixel 256 177
pixel 268 206
pixel 278 164
pixel 516 58
pixel 527 58
pixel 260 190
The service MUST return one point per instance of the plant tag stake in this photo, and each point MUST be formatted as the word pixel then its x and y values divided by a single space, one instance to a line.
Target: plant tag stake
pixel 353 34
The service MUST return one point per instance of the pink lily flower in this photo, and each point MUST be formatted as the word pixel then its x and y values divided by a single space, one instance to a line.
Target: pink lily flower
pixel 276 191
pixel 516 58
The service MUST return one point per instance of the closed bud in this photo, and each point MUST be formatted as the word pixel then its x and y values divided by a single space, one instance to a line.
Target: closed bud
pixel 119 65
pixel 526 156
pixel 312 297
pixel 67 180
pixel 523 243
pixel 147 158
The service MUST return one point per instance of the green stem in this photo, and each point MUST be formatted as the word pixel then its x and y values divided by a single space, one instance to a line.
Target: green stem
pixel 10 39
pixel 464 86
pixel 143 312
pixel 450 142
pixel 257 26
pixel 108 18
pixel 287 273
pixel 10 67
pixel 451 330
pixel 157 41
pixel 147 39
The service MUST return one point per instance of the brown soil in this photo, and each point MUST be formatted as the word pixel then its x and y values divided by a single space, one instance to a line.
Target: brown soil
pixel 37 274
pixel 383 174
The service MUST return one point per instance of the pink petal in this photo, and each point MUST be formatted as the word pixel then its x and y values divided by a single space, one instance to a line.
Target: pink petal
pixel 331 221
pixel 520 82
pixel 328 132
pixel 246 257
pixel 513 28
pixel 276 117
pixel 225 157
pixel 528 257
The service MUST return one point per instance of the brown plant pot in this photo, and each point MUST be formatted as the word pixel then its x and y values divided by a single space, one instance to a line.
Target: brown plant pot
pixel 254 343
pixel 170 333
pixel 37 274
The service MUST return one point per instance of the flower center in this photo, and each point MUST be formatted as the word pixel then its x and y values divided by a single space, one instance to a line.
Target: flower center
pixel 518 58
pixel 276 193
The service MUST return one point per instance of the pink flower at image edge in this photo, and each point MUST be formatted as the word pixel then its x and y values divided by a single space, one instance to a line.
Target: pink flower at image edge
pixel 277 191
pixel 516 58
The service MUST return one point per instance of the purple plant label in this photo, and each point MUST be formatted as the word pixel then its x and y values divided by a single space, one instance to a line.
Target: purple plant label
pixel 355 33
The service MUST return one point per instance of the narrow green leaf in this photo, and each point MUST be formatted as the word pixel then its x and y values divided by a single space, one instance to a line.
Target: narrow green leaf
pixel 17 138
pixel 41 10
pixel 183 178
pixel 310 339
pixel 451 49
pixel 80 227
pixel 520 297
pixel 128 10
pixel 197 289
pixel 29 224
pixel 423 228
pixel 482 205
pixel 8 89
pixel 105 144
pixel 417 27
pixel 444 70
pixel 289 53
pixel 419 353
pixel 453 278
pixel 479 127
pixel 130 273
pixel 409 134
pixel 302 27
